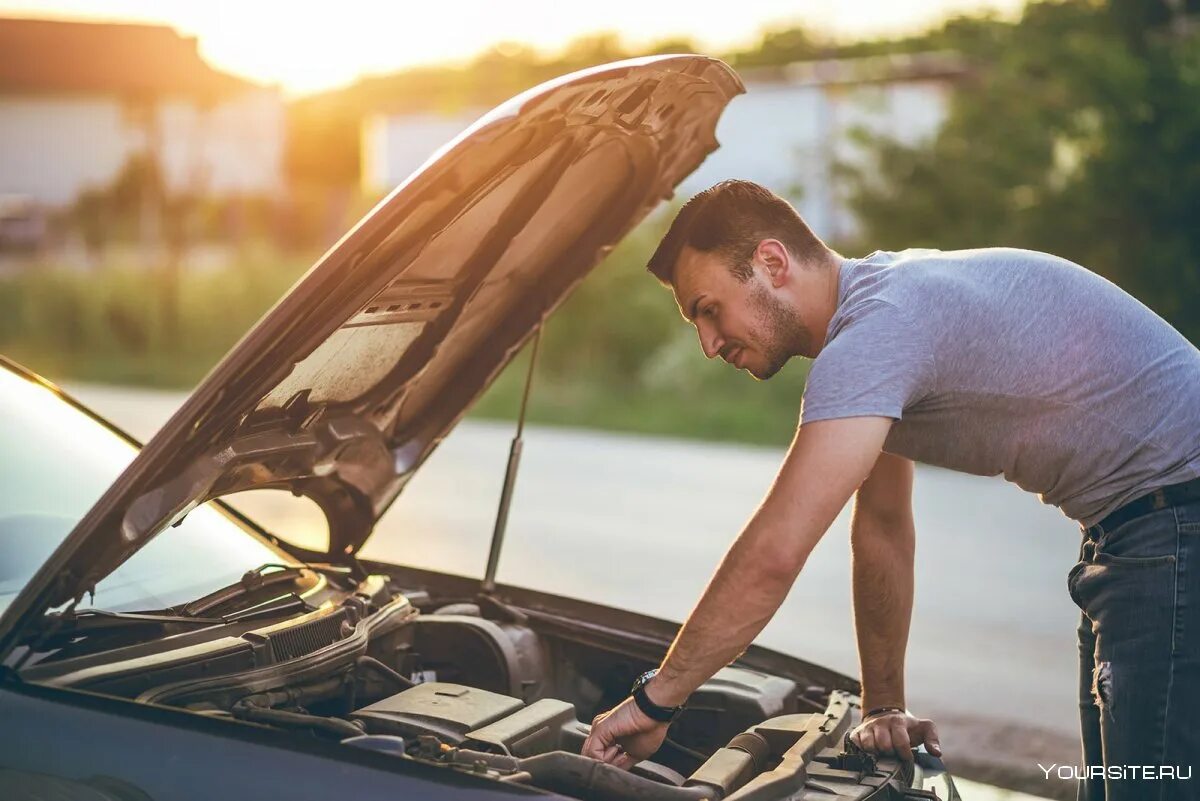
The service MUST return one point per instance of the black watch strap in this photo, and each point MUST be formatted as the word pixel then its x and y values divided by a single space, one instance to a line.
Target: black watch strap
pixel 662 714
pixel 882 710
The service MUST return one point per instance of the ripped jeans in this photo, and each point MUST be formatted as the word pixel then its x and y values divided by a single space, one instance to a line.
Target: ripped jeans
pixel 1138 586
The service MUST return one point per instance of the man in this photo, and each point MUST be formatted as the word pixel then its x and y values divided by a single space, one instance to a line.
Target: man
pixel 993 361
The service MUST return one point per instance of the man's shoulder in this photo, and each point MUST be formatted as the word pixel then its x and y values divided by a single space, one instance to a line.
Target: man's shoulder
pixel 999 256
pixel 887 279
pixel 917 278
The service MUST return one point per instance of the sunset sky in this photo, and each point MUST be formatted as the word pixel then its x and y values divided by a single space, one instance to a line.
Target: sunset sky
pixel 309 46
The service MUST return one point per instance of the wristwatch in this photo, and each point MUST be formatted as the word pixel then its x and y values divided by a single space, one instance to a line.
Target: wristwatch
pixel 663 714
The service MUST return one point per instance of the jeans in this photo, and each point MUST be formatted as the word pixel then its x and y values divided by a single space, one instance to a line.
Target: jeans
pixel 1138 586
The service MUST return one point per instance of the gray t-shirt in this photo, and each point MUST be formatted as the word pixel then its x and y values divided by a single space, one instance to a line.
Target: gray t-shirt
pixel 1004 361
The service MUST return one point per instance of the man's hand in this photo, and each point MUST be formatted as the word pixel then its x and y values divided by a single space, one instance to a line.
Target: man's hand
pixel 896 734
pixel 624 736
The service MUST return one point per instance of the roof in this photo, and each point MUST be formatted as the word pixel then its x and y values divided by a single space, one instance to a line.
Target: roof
pixel 52 56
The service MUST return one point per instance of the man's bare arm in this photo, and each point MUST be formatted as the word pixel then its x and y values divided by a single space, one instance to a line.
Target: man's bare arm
pixel 826 463
pixel 882 543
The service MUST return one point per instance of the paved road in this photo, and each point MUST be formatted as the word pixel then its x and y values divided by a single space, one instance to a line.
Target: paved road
pixel 640 523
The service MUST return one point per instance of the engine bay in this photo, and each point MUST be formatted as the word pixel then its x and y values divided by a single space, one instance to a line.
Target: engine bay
pixel 502 691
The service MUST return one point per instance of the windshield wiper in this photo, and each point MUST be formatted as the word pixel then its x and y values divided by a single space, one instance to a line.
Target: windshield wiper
pixel 58 629
pixel 66 627
pixel 251 581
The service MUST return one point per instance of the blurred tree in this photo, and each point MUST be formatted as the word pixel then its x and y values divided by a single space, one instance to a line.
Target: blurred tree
pixel 590 50
pixel 90 216
pixel 615 320
pixel 782 46
pixel 674 45
pixel 323 140
pixel 1079 134
pixel 502 71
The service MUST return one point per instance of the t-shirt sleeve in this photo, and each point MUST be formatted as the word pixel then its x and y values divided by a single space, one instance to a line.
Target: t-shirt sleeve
pixel 877 363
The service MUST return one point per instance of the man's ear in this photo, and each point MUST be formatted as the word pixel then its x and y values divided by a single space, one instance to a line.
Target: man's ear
pixel 776 259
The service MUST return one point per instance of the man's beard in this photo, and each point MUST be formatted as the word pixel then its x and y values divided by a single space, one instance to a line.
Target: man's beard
pixel 781 329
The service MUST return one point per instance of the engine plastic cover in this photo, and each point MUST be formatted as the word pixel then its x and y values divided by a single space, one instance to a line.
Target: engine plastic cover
pixel 439 708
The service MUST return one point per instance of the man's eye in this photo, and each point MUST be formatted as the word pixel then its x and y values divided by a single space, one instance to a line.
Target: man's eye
pixel 709 311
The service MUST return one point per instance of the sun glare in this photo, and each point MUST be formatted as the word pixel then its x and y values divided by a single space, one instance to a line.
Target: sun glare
pixel 307 47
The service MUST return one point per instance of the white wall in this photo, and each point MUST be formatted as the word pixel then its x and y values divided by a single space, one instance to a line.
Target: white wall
pixel 394 146
pixel 235 147
pixel 788 137
pixel 52 148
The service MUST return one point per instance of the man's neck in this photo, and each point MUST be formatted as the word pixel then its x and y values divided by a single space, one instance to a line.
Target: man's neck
pixel 828 292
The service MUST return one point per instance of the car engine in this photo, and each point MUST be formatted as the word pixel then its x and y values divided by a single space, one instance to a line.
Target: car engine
pixel 487 687
pixel 539 743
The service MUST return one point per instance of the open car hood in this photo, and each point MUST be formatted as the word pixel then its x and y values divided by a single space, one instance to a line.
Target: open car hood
pixel 347 385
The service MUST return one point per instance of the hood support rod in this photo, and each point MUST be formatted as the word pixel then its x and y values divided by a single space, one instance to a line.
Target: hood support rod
pixel 510 476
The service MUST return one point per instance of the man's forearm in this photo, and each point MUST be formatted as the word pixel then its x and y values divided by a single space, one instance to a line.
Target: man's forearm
pixel 745 592
pixel 827 462
pixel 883 594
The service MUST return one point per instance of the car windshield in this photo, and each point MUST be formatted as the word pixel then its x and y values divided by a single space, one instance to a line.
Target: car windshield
pixel 57 461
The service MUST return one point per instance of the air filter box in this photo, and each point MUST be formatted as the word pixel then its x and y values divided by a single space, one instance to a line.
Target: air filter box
pixel 446 710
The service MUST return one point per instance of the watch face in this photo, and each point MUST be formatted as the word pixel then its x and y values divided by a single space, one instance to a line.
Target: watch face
pixel 641 680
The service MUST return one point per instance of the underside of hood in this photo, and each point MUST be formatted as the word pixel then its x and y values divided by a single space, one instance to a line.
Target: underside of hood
pixel 347 385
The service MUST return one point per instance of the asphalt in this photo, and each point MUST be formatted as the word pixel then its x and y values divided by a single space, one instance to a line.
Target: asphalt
pixel 640 523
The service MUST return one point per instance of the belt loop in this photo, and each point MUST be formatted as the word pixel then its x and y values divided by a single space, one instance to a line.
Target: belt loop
pixel 1158 499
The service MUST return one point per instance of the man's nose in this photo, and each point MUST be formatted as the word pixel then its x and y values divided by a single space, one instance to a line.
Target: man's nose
pixel 711 343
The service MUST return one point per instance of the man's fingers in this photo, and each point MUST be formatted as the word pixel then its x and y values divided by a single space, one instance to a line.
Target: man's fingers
pixel 927 732
pixel 900 742
pixel 623 727
pixel 897 735
pixel 883 739
pixel 597 742
pixel 866 739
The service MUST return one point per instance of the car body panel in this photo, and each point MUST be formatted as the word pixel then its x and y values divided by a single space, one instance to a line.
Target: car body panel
pixel 120 750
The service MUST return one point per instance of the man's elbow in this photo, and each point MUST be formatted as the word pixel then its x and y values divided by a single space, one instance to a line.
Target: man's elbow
pixel 887 537
pixel 873 523
pixel 882 504
pixel 781 563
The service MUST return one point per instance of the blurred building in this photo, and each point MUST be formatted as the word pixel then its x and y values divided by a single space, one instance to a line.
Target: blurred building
pixel 790 131
pixel 394 145
pixel 798 124
pixel 79 101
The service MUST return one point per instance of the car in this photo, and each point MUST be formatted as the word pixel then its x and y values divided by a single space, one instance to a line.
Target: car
pixel 156 644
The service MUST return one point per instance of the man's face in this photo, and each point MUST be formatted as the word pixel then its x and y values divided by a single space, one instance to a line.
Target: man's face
pixel 746 323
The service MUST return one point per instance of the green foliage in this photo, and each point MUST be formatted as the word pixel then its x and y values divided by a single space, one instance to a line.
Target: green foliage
pixel 617 354
pixel 780 46
pixel 1078 134
pixel 109 325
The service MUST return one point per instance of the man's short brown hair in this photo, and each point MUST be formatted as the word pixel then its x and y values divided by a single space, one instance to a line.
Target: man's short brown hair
pixel 730 219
